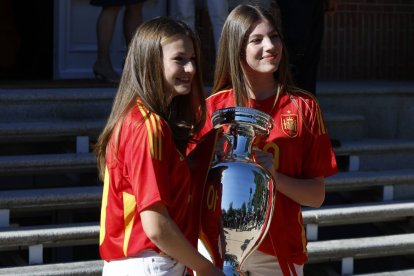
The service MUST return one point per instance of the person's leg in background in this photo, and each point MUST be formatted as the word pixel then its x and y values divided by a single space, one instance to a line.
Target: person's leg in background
pixel 183 10
pixel 132 19
pixel 218 11
pixel 302 28
pixel 303 24
pixel 105 27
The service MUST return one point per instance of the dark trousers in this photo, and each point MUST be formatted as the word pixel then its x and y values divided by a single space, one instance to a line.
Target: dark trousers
pixel 302 29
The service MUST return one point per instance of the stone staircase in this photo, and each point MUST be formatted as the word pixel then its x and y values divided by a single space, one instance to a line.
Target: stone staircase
pixel 50 195
pixel 366 223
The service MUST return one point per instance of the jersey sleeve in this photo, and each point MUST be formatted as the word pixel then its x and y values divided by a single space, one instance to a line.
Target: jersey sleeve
pixel 146 161
pixel 319 158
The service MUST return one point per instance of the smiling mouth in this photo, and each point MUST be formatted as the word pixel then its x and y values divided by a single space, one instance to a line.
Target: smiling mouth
pixel 184 80
pixel 269 57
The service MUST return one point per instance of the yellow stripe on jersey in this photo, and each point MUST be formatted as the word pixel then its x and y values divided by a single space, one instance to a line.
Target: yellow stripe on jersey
pixel 303 234
pixel 159 138
pixel 152 122
pixel 147 123
pixel 321 123
pixel 219 92
pixel 130 205
pixel 103 208
pixel 154 135
pixel 155 121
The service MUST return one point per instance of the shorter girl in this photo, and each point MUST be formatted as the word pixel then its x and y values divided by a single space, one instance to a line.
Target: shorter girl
pixel 146 225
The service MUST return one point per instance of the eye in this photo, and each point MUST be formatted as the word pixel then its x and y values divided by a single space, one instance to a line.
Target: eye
pixel 255 40
pixel 178 58
pixel 274 35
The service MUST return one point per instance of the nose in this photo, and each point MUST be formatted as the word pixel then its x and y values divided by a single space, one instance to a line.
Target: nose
pixel 269 44
pixel 189 67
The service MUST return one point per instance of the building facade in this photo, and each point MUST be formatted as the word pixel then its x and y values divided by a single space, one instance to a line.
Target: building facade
pixel 56 39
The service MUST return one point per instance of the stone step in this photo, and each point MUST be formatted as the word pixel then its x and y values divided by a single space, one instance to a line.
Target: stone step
pixel 378 154
pixel 351 98
pixel 53 108
pixel 49 235
pixel 395 184
pixel 47 163
pixel 357 180
pixel 36 238
pixel 406 272
pixel 385 105
pixel 51 198
pixel 68 197
pixel 346 250
pixel 341 127
pixel 344 127
pixel 354 214
pixel 31 105
pixel 31 201
pixel 95 268
pixel 86 268
pixel 48 130
pixel 325 216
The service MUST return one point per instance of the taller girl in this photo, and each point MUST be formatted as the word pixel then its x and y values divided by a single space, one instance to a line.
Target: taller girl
pixel 252 70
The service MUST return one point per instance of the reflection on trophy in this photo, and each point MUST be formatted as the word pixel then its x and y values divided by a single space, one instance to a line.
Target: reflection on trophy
pixel 239 195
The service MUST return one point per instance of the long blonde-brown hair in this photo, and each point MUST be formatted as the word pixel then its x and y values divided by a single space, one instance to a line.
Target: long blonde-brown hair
pixel 143 78
pixel 233 40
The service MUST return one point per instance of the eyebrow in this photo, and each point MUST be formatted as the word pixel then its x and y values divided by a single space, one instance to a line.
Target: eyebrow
pixel 271 32
pixel 183 53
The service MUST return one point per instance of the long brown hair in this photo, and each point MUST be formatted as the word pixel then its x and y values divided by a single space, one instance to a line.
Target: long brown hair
pixel 233 40
pixel 143 78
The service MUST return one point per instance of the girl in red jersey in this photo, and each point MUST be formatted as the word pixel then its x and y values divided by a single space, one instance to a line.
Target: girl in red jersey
pixel 252 70
pixel 146 221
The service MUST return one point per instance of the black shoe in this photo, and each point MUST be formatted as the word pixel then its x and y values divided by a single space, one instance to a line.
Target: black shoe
pixel 105 75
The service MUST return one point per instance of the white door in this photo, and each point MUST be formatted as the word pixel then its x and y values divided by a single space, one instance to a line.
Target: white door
pixel 75 37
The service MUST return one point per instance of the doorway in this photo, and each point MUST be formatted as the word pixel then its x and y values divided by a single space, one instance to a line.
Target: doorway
pixel 26 35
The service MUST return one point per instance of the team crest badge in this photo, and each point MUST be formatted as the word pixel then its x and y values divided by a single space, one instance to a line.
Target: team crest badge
pixel 290 124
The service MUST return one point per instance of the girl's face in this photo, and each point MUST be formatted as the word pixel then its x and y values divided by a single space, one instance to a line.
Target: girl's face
pixel 263 49
pixel 179 64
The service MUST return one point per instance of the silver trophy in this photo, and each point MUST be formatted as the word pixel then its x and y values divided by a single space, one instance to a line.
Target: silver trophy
pixel 239 194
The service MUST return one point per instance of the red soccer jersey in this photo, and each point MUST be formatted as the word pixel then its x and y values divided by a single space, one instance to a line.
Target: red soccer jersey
pixel 301 148
pixel 146 168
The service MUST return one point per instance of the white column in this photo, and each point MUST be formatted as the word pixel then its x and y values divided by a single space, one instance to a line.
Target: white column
pixel 312 232
pixel 36 254
pixel 348 266
pixel 4 217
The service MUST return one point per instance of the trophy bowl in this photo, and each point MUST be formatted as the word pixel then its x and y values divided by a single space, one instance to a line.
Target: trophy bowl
pixel 239 194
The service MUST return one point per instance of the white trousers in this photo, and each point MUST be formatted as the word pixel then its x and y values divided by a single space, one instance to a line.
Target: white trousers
pixel 147 262
pixel 259 264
